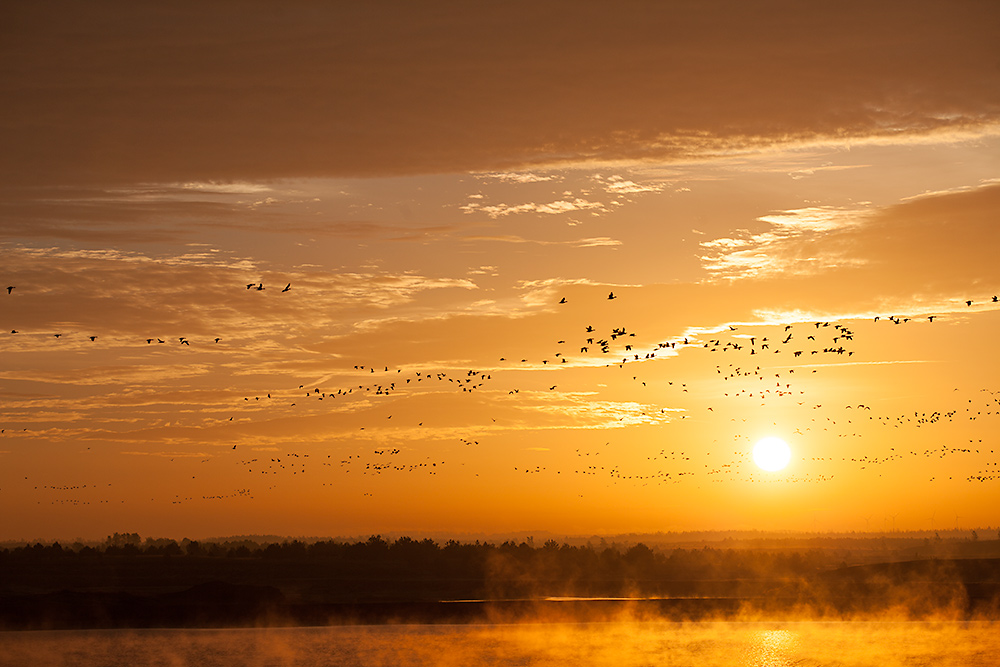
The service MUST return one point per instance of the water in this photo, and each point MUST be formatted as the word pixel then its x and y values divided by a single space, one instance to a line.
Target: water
pixel 626 644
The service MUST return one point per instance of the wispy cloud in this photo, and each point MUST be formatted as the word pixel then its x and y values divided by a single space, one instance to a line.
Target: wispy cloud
pixel 557 207
pixel 568 410
pixel 110 375
pixel 601 241
pixel 127 297
pixel 798 174
pixel 619 185
pixel 928 255
pixel 796 242
pixel 519 177
pixel 151 213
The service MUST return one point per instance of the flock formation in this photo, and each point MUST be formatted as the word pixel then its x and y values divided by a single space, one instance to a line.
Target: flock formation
pixel 748 377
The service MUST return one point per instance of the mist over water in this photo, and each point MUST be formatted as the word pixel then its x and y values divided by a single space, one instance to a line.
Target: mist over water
pixel 617 644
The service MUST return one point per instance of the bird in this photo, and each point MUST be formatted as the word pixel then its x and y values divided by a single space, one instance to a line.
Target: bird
pixel 10 288
pixel 612 296
pixel 287 287
pixel 93 338
pixel 562 300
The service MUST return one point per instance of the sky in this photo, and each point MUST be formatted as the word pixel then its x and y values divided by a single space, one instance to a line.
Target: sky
pixel 347 269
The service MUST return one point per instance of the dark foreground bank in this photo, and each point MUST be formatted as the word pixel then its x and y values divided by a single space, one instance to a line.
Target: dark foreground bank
pixel 126 583
pixel 968 589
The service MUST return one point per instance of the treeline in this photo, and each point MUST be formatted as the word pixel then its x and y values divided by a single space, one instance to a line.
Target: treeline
pixel 377 570
pixel 424 560
pixel 407 557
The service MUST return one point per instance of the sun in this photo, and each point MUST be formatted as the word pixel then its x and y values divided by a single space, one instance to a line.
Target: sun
pixel 771 454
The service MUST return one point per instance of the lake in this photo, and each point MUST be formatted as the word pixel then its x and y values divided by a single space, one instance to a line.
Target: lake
pixel 615 644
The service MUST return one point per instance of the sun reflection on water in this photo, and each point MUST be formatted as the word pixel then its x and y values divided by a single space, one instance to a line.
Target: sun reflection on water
pixel 628 643
pixel 771 648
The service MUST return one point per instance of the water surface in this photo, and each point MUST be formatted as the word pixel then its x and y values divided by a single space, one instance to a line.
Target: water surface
pixel 625 644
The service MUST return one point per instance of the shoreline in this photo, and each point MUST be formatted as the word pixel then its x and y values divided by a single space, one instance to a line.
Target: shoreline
pixel 67 610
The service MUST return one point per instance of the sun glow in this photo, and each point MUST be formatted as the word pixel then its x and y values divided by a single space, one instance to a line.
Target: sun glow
pixel 771 454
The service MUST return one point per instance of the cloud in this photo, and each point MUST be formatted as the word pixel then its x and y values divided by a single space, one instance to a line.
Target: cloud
pixel 110 375
pixel 126 297
pixel 154 213
pixel 925 255
pixel 548 283
pixel 795 242
pixel 519 177
pixel 799 174
pixel 551 208
pixel 600 241
pixel 618 185
pixel 567 410
pixel 128 92
pixel 224 188
pixel 597 241
pixel 870 363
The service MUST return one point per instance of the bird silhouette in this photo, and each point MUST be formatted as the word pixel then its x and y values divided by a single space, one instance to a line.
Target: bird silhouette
pixel 287 287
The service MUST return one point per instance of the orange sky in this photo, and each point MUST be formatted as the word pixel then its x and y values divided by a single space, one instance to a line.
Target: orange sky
pixel 431 182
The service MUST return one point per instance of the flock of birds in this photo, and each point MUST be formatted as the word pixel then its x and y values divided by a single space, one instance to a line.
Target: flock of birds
pixel 754 378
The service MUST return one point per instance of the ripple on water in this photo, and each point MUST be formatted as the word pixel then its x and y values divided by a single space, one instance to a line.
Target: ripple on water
pixel 616 644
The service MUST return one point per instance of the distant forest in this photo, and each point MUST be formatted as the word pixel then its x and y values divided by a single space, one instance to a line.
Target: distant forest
pixel 127 581
pixel 479 568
